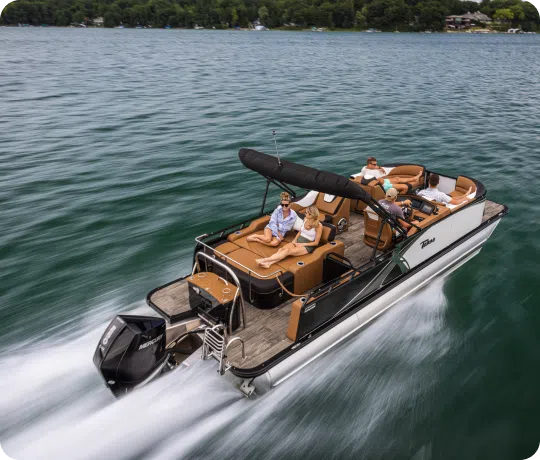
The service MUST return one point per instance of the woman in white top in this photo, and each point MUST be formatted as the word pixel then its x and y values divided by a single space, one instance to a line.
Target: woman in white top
pixel 307 239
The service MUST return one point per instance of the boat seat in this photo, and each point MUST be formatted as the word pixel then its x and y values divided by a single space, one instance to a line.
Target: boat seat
pixel 372 224
pixel 296 307
pixel 256 226
pixel 462 186
pixel 298 274
pixel 334 210
pixel 375 190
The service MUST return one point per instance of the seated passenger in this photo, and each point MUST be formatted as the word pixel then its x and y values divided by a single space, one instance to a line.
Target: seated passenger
pixel 432 193
pixel 401 184
pixel 371 171
pixel 281 222
pixel 393 208
pixel 307 239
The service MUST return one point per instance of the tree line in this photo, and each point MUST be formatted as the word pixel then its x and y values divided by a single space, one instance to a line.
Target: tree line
pixel 403 15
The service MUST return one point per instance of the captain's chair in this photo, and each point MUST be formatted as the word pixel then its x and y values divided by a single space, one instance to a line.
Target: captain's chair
pixel 372 224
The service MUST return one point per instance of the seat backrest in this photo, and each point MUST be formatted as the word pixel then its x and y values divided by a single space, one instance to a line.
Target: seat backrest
pixel 328 233
pixel 372 224
pixel 463 183
pixel 327 204
pixel 406 170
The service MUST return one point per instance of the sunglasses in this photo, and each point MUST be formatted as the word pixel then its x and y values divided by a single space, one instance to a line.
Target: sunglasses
pixel 285 205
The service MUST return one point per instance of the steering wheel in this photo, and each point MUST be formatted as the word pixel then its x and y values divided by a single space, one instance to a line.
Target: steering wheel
pixel 407 212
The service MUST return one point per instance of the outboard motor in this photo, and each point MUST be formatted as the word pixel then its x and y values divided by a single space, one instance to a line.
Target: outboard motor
pixel 131 350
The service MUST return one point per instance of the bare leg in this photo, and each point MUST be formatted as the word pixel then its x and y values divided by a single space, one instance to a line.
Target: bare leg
pixel 289 250
pixel 265 238
pixel 401 188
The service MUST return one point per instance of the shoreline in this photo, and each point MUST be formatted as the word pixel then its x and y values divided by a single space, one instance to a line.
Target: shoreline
pixel 279 29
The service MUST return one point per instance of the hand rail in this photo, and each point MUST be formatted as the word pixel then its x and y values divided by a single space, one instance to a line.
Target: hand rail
pixel 235 279
pixel 237 339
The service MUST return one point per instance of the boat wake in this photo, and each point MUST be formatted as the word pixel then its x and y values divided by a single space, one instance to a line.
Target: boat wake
pixel 364 398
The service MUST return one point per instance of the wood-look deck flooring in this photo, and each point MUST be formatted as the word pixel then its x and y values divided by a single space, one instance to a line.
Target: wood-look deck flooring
pixel 265 334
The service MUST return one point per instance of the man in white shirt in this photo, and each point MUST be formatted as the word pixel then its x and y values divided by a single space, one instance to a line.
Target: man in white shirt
pixel 432 193
pixel 371 171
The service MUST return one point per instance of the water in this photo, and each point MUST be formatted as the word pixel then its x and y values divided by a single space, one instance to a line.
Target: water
pixel 118 147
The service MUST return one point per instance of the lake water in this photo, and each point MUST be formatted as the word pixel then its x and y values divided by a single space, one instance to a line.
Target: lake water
pixel 118 147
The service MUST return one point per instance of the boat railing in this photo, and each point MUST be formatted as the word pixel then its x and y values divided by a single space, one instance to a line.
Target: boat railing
pixel 235 279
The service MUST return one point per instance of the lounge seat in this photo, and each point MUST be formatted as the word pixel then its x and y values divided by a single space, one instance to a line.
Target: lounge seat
pixel 462 186
pixel 334 210
pixel 377 192
pixel 297 274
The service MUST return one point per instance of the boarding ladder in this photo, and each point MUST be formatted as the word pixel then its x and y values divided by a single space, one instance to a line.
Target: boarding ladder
pixel 217 339
pixel 216 344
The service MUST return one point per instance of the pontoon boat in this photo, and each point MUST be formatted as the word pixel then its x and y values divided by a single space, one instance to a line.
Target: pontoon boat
pixel 263 325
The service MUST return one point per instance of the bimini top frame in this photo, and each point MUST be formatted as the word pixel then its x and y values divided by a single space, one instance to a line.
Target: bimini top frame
pixel 287 172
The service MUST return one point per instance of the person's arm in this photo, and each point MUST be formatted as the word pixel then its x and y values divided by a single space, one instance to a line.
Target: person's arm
pixel 288 224
pixel 404 203
pixel 274 217
pixel 461 199
pixel 382 170
pixel 294 242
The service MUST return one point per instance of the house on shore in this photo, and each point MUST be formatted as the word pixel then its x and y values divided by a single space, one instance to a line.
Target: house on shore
pixel 98 22
pixel 466 21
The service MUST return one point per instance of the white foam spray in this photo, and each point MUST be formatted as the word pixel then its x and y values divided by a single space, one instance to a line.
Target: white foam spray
pixel 56 406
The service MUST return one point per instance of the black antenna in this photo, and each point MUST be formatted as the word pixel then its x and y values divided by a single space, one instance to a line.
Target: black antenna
pixel 277 150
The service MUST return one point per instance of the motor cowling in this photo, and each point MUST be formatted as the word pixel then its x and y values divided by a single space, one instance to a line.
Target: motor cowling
pixel 131 349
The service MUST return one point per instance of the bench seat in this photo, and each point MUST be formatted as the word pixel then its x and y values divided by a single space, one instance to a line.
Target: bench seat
pixel 297 274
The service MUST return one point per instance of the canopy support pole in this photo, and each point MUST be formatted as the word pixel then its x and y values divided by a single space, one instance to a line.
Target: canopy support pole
pixel 265 195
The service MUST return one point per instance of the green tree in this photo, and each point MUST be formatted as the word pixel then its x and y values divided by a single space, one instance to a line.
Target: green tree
pixel 431 15
pixel 263 14
pixel 504 14
pixel 518 12
pixel 360 20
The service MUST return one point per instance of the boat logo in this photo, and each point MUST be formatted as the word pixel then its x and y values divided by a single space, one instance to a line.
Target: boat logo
pixel 147 344
pixel 427 242
pixel 108 335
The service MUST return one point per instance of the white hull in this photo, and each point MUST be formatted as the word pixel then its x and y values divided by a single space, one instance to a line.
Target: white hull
pixel 443 265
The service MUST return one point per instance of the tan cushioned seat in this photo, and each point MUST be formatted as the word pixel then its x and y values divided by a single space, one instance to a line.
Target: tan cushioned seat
pixel 331 212
pixel 307 274
pixel 226 248
pixel 462 186
pixel 377 192
pixel 256 226
pixel 247 260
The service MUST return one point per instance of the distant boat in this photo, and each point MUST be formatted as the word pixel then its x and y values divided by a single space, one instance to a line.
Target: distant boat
pixel 196 27
pixel 121 26
pixel 167 26
pixel 373 30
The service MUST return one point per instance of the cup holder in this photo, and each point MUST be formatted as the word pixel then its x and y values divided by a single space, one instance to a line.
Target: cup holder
pixel 333 243
pixel 238 232
pixel 226 291
pixel 201 275
pixel 300 264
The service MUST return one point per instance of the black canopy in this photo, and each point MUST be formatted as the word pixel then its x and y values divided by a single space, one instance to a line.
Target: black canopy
pixel 302 176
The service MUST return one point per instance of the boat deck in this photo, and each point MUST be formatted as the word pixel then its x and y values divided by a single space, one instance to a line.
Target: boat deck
pixel 265 334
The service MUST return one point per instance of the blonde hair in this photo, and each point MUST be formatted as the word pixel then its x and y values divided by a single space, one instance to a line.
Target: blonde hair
pixel 312 215
pixel 284 196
